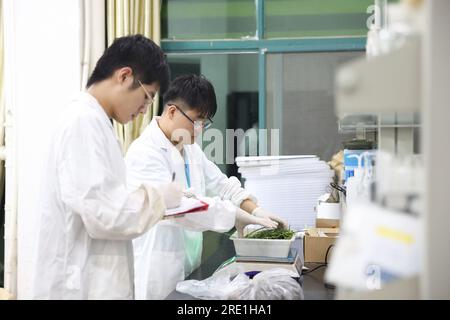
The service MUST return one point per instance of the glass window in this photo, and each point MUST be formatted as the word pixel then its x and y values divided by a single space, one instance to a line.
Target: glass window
pixel 212 19
pixel 235 80
pixel 300 102
pixel 313 18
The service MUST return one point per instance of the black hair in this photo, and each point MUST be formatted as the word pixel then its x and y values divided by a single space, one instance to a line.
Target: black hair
pixel 194 90
pixel 142 55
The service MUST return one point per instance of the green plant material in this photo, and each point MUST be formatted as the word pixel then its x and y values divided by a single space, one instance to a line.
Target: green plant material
pixel 280 234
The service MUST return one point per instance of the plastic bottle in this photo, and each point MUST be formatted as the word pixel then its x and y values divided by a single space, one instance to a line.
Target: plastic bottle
pixel 354 183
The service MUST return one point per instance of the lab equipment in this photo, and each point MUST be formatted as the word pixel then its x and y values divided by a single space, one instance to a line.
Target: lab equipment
pixel 289 259
pixel 400 182
pixel 379 246
pixel 353 183
pixel 352 161
pixel 359 186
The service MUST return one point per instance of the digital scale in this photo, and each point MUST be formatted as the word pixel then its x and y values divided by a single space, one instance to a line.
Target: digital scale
pixel 241 264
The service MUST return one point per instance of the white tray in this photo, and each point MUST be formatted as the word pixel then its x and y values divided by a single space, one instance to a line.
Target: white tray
pixel 262 247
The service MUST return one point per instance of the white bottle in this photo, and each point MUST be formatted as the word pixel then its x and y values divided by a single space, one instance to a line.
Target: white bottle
pixel 353 187
pixel 354 183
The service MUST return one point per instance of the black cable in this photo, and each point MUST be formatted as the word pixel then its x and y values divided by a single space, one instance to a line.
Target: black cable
pixel 339 188
pixel 312 270
pixel 322 265
pixel 326 254
pixel 328 285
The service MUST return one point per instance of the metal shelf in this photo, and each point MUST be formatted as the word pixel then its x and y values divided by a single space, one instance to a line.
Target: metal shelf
pixel 373 122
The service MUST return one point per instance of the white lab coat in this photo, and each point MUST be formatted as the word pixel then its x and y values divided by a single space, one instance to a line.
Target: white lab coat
pixel 87 216
pixel 169 251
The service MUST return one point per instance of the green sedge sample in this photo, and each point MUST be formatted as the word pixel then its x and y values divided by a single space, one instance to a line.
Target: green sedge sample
pixel 280 234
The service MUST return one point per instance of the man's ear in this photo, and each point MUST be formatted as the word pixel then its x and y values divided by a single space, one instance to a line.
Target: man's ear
pixel 170 110
pixel 121 75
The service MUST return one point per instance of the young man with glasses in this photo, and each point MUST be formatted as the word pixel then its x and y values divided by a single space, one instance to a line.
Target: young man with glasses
pixel 171 251
pixel 87 215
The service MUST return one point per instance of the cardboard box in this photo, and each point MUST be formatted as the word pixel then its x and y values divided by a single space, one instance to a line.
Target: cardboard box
pixel 317 241
pixel 327 223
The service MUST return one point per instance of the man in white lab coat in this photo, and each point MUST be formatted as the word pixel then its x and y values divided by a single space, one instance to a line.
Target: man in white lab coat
pixel 168 252
pixel 87 217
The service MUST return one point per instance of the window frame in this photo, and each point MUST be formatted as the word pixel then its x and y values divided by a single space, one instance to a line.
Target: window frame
pixel 263 46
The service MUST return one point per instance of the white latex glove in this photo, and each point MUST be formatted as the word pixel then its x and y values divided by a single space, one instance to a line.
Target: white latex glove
pixel 261 213
pixel 189 193
pixel 243 219
pixel 172 193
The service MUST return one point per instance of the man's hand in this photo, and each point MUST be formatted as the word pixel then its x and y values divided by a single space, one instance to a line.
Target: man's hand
pixel 244 218
pixel 261 213
pixel 172 194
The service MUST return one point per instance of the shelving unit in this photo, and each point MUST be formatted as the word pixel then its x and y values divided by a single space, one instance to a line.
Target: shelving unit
pixel 396 133
pixel 388 87
pixel 411 82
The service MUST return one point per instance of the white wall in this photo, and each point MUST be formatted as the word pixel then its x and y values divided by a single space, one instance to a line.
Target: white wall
pixel 43 70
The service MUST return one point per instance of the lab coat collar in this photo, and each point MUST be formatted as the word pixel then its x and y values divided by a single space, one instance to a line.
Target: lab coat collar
pixel 93 102
pixel 159 137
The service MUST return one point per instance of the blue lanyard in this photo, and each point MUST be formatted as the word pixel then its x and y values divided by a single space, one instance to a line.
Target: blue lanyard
pixel 187 172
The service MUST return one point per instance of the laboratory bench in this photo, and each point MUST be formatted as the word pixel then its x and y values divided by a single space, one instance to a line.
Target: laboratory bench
pixel 312 283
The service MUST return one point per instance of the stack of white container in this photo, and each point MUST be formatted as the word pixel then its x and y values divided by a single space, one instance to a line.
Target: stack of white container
pixel 288 186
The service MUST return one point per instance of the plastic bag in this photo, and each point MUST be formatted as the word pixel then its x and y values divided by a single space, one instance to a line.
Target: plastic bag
pixel 216 287
pixel 273 284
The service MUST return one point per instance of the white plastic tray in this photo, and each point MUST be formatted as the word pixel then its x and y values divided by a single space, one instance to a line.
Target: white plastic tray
pixel 262 247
